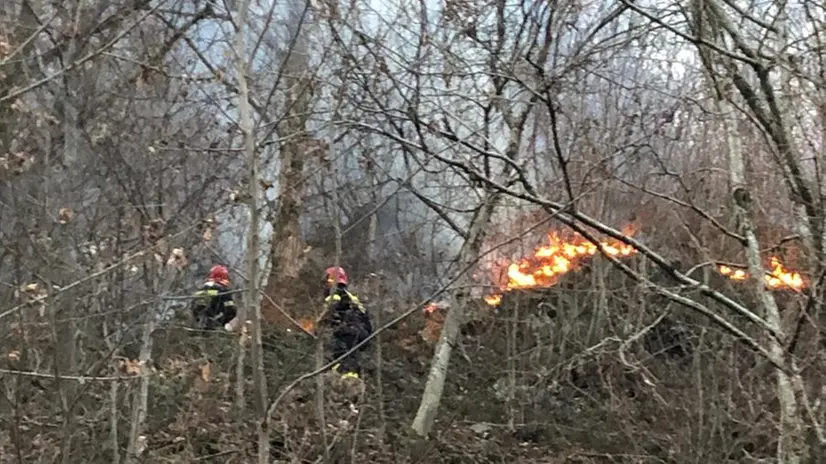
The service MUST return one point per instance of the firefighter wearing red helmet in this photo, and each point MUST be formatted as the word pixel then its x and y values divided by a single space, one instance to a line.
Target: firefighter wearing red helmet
pixel 214 306
pixel 348 319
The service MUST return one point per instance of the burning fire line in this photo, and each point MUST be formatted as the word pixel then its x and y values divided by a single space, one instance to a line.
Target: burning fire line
pixel 550 262
pixel 778 277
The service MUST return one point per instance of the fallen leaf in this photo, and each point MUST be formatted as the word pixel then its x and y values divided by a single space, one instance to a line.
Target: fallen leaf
pixel 131 367
pixel 207 234
pixel 177 259
pixel 205 371
pixel 16 163
pixel 14 355
pixel 65 215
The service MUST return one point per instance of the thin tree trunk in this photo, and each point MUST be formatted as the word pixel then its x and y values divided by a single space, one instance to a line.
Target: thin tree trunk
pixel 240 399
pixel 319 398
pixel 790 446
pixel 247 127
pixel 512 329
pixel 372 230
pixel 113 422
pixel 112 342
pixel 140 400
pixel 432 397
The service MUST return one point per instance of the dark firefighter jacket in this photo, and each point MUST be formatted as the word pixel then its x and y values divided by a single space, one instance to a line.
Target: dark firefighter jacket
pixel 213 306
pixel 347 314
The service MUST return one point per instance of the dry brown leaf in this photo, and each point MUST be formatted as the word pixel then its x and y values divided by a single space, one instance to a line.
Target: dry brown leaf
pixel 177 259
pixel 206 369
pixel 131 366
pixel 65 215
pixel 16 163
pixel 14 356
pixel 35 294
pixel 207 234
pixel 16 328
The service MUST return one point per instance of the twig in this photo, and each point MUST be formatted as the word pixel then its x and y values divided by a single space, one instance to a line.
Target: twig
pixel 77 378
pixel 216 455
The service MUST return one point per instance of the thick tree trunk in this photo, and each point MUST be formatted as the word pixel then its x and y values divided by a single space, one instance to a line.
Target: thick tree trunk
pixel 287 249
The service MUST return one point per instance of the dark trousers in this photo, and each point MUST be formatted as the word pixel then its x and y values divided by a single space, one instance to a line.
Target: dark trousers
pixel 344 339
pixel 211 319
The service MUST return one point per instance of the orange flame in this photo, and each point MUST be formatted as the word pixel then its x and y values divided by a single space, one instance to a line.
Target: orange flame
pixel 548 263
pixel 493 300
pixel 307 324
pixel 778 277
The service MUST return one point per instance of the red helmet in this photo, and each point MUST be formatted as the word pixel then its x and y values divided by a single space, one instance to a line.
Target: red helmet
pixel 335 275
pixel 219 273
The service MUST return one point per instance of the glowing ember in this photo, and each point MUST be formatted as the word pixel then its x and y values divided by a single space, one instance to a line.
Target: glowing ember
pixel 433 307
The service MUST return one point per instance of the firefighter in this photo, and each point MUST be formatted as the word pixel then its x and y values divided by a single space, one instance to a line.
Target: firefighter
pixel 213 306
pixel 349 321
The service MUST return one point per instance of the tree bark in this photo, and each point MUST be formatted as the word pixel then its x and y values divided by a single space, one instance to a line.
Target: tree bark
pixel 287 246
